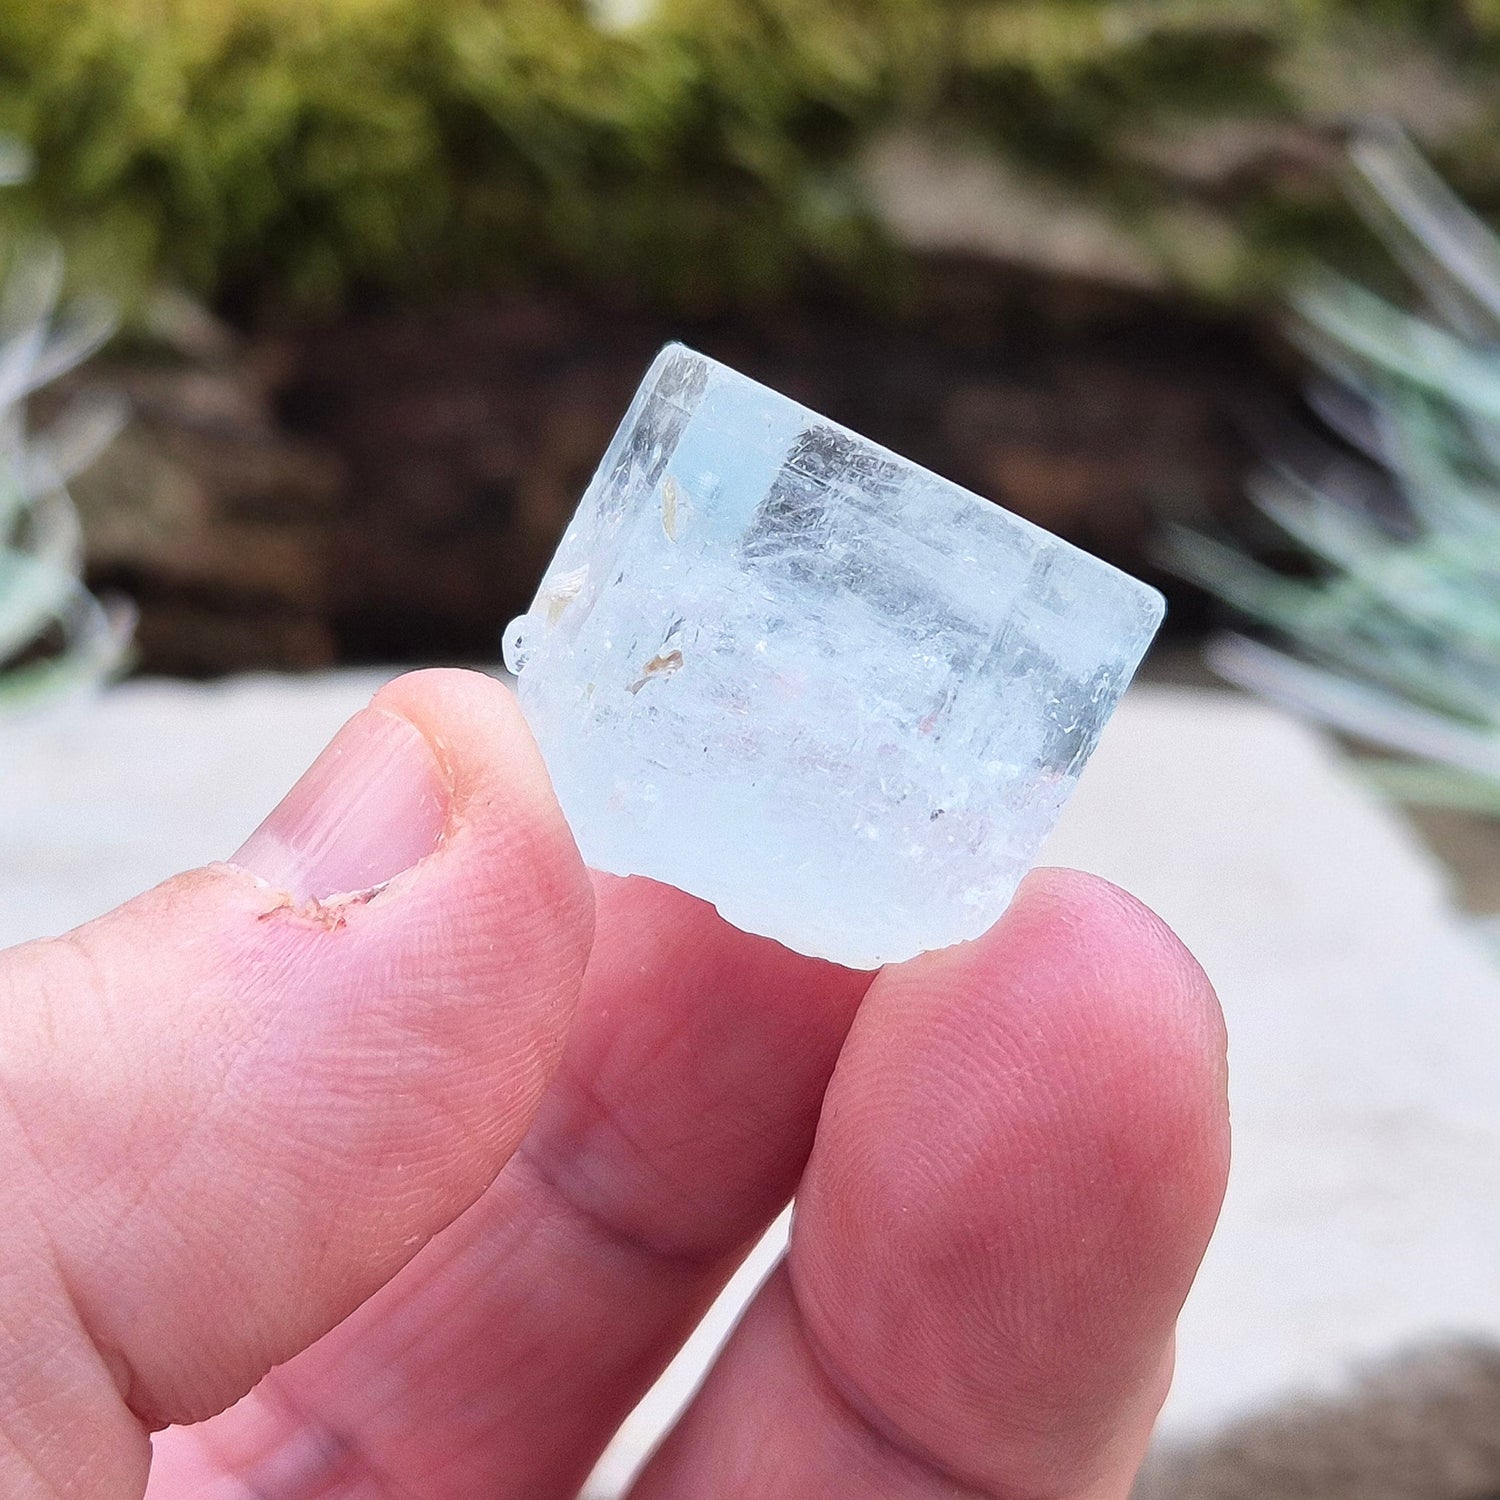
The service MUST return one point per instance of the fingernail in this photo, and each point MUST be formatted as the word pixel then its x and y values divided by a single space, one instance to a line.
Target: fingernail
pixel 371 805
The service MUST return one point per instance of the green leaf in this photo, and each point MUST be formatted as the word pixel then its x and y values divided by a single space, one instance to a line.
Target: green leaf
pixel 1422 784
pixel 34 596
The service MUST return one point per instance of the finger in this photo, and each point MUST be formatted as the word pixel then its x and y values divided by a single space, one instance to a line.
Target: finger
pixel 237 1105
pixel 1020 1160
pixel 502 1360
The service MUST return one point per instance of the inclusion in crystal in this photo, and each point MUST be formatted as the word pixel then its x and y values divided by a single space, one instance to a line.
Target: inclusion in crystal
pixel 784 669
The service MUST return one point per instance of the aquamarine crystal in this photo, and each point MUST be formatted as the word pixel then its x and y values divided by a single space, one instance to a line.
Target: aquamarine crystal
pixel 780 667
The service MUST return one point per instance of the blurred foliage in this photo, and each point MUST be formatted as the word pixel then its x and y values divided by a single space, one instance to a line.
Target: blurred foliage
pixel 1381 574
pixel 54 635
pixel 692 150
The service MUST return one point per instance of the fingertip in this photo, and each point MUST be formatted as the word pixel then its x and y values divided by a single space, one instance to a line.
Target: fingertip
pixel 1131 953
pixel 474 726
pixel 499 786
pixel 1085 919
pixel 1069 933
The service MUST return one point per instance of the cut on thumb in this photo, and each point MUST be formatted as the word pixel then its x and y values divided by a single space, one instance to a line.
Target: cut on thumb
pixel 233 1108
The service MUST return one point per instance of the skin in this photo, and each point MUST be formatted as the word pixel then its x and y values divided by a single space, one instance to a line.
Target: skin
pixel 399 1155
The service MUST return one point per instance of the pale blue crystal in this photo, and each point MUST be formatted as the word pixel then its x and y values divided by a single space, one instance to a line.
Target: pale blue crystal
pixel 780 667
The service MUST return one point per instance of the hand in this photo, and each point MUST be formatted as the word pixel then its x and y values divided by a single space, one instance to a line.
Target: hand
pixel 459 1160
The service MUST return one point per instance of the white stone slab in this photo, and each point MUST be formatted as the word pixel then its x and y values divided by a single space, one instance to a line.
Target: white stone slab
pixel 1364 1210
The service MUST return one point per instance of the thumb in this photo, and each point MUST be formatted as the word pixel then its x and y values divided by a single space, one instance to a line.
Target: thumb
pixel 232 1109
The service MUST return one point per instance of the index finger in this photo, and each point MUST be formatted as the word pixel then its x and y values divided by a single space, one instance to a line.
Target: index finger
pixel 1020 1159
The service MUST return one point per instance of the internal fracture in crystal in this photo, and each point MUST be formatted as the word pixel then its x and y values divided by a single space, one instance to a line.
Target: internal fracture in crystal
pixel 782 668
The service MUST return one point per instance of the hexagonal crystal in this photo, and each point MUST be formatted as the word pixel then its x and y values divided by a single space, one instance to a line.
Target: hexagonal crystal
pixel 782 668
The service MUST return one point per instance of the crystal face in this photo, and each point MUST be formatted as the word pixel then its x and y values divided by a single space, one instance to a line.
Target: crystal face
pixel 782 668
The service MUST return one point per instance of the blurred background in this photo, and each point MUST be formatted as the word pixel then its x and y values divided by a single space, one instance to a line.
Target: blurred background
pixel 388 271
pixel 315 316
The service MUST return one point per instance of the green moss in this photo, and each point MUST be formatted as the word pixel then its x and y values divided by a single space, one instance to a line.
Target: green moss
pixel 297 150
